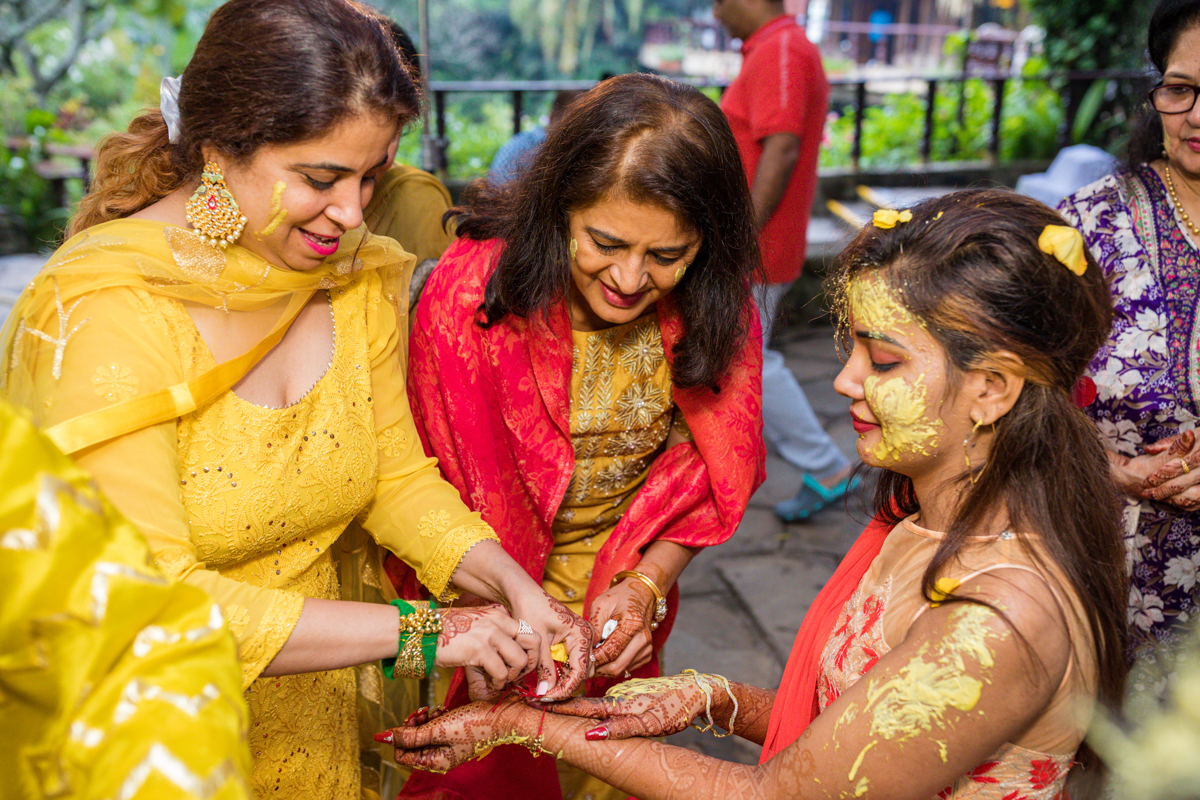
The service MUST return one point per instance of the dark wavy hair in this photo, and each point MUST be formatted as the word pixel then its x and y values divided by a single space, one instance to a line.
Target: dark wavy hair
pixel 1171 18
pixel 265 72
pixel 650 140
pixel 968 266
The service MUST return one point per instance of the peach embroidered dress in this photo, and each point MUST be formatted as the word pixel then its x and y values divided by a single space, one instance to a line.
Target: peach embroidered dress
pixel 245 502
pixel 888 600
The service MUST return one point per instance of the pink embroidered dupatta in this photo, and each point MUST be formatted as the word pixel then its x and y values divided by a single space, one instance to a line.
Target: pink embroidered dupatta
pixel 494 407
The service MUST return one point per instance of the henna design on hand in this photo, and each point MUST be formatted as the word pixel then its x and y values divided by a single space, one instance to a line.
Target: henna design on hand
pixel 457 621
pixel 579 630
pixel 451 738
pixel 633 612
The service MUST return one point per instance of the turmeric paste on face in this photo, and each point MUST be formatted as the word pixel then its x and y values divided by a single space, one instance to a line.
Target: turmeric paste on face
pixel 277 211
pixel 899 404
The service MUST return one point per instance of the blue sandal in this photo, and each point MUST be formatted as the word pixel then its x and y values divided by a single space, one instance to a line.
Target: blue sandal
pixel 812 497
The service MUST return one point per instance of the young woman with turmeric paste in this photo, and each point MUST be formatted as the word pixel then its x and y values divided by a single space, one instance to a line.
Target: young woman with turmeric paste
pixel 964 641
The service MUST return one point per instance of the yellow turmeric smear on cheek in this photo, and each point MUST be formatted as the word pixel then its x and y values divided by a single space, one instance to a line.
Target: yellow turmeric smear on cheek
pixel 277 211
pixel 899 406
pixel 918 697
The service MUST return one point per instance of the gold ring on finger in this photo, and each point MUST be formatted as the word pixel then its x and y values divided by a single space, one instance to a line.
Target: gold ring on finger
pixel 1184 465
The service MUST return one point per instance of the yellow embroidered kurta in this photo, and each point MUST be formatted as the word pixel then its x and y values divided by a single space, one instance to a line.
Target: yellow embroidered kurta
pixel 621 412
pixel 114 682
pixel 245 502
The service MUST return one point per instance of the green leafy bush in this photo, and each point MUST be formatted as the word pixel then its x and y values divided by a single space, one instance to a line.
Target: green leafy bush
pixel 39 220
pixel 962 123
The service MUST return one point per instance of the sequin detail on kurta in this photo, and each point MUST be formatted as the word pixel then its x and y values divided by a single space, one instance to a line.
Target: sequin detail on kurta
pixel 269 490
pixel 886 602
pixel 621 412
pixel 1147 378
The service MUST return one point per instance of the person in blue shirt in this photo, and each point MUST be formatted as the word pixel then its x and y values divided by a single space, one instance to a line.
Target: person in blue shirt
pixel 514 154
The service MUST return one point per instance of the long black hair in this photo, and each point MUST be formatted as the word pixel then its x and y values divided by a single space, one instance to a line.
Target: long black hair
pixel 651 140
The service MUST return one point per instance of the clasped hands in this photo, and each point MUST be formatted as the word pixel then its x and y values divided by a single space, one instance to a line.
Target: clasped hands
pixel 436 740
pixel 487 642
pixel 1167 472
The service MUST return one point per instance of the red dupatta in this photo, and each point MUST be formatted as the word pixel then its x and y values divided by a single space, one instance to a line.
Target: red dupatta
pixel 494 407
pixel 795 705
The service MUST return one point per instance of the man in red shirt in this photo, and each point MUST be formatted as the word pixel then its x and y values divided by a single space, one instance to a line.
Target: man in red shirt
pixel 776 107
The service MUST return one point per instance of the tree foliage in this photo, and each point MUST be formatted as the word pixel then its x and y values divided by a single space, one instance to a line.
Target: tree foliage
pixel 1094 34
pixel 43 39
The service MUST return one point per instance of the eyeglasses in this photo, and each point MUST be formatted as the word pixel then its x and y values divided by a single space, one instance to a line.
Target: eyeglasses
pixel 1174 98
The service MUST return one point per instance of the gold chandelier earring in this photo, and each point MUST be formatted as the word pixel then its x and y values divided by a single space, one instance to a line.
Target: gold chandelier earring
pixel 968 446
pixel 212 211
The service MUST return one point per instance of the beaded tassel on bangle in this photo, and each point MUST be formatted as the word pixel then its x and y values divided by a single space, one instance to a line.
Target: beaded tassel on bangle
pixel 419 627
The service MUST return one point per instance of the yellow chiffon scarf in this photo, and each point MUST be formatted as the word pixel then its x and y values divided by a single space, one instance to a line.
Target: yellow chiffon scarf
pixel 173 262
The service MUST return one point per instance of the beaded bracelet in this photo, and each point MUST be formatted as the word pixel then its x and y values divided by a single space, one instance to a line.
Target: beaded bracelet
pixel 420 624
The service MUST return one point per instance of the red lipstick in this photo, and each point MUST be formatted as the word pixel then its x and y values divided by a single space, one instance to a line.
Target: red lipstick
pixel 619 300
pixel 860 425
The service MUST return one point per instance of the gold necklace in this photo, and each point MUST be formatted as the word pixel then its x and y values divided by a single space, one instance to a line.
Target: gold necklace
pixel 1179 206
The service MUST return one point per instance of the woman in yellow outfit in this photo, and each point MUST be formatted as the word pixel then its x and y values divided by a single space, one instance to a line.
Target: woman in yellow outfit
pixel 224 349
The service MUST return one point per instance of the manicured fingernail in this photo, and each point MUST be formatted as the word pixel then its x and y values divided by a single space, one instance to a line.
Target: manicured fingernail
pixel 596 734
pixel 386 737
pixel 542 688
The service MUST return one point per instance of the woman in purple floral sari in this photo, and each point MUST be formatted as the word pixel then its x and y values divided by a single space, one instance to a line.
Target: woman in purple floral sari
pixel 1140 224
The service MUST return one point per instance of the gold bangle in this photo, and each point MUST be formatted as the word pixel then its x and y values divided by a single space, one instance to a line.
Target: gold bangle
pixel 660 602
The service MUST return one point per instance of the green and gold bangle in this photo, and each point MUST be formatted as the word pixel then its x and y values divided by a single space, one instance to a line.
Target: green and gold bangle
pixel 420 624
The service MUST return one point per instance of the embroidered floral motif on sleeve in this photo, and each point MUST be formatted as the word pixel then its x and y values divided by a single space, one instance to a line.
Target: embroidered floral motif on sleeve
pixel 449 553
pixel 114 382
pixel 393 440
pixel 434 523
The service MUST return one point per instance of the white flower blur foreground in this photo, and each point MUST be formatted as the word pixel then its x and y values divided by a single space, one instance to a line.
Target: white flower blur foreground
pixel 1155 757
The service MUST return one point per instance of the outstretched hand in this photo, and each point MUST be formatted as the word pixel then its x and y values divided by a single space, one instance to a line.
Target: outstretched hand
pixel 435 740
pixel 645 707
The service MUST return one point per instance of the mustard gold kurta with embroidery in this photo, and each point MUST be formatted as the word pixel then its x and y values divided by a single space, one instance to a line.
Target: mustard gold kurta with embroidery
pixel 245 502
pixel 621 412
pixel 621 415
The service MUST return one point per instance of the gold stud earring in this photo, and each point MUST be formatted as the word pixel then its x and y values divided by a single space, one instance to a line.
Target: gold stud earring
pixel 212 211
pixel 679 273
pixel 573 248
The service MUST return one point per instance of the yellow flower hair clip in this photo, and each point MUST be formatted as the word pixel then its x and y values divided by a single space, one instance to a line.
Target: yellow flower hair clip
pixel 888 217
pixel 1066 245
